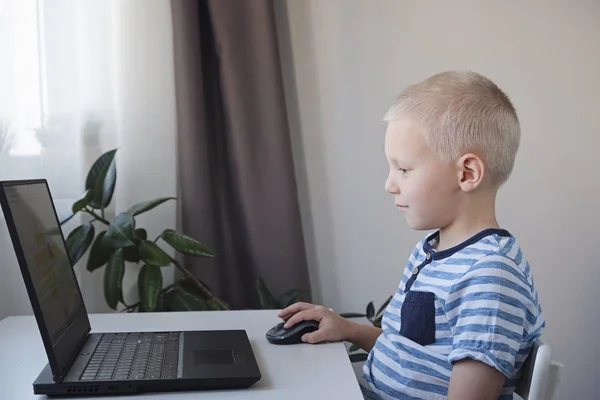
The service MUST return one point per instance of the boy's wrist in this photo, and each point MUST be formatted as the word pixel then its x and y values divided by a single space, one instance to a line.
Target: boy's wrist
pixel 362 335
pixel 353 334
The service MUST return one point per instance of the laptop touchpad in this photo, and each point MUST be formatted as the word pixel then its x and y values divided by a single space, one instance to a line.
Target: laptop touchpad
pixel 203 357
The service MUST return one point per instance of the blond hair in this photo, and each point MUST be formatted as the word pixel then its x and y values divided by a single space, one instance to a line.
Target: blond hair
pixel 464 111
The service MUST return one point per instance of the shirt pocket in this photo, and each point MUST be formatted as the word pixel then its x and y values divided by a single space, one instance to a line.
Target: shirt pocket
pixel 418 317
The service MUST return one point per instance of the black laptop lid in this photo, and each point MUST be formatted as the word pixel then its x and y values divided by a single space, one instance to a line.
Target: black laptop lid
pixel 49 278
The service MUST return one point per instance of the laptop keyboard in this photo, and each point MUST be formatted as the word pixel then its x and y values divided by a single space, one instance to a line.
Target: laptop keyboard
pixel 134 356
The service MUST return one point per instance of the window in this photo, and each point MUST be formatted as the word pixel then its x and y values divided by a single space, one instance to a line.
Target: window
pixel 21 96
pixel 43 131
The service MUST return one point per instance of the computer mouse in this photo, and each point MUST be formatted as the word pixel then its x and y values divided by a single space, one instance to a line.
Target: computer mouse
pixel 280 335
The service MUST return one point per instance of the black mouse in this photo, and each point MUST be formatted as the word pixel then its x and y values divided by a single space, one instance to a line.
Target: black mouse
pixel 280 335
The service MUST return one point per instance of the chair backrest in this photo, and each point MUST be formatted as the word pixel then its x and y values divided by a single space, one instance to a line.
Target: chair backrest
pixel 540 376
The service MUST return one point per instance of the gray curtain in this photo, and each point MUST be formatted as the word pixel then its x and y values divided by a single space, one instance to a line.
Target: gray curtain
pixel 238 191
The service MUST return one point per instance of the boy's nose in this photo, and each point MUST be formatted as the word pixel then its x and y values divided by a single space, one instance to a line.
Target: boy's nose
pixel 391 186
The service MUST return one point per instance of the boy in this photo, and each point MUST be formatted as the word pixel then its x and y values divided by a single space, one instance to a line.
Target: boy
pixel 466 312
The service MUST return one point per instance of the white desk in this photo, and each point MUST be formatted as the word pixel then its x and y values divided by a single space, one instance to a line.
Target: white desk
pixel 288 372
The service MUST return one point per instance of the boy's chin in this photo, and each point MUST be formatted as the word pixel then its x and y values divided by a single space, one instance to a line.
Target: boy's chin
pixel 420 225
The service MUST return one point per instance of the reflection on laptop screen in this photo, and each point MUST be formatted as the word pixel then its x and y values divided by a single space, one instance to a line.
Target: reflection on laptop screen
pixel 45 254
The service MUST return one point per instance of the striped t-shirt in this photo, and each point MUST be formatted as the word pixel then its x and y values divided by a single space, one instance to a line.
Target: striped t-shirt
pixel 475 300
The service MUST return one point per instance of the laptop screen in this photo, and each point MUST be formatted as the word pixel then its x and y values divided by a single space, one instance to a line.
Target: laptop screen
pixel 45 256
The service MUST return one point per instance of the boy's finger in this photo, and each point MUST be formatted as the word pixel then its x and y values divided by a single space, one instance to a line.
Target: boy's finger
pixel 294 308
pixel 313 337
pixel 294 319
pixel 305 315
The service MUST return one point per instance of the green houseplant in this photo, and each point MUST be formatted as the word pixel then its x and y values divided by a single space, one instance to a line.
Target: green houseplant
pixel 121 240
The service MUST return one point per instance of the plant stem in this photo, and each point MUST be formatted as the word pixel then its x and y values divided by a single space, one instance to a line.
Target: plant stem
pixel 170 286
pixel 198 282
pixel 98 217
pixel 131 307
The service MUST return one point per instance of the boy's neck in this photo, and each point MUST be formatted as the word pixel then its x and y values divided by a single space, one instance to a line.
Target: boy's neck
pixel 476 215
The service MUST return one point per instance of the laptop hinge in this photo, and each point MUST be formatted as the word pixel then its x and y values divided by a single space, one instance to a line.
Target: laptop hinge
pixel 58 378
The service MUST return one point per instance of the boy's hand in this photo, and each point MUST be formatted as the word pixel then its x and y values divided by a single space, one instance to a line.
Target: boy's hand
pixel 332 327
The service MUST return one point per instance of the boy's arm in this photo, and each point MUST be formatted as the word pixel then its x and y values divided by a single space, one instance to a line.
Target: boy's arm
pixel 364 336
pixel 488 310
pixel 332 327
pixel 474 380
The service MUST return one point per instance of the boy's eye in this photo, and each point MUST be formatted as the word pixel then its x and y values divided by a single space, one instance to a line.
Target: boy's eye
pixel 403 170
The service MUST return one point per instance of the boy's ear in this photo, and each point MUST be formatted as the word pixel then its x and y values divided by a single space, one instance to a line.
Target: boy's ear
pixel 471 171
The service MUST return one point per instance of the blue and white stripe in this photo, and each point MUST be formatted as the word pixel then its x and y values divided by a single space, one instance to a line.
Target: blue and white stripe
pixel 486 308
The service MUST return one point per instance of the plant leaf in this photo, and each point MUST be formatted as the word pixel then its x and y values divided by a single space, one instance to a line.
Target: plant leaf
pixel 101 180
pixel 384 305
pixel 267 301
pixel 79 241
pixel 377 321
pixel 147 206
pixel 141 234
pixel 81 203
pixel 161 304
pixel 110 181
pixel 99 253
pixel 214 305
pixel 149 285
pixel 120 231
pixel 153 255
pixel 113 279
pixel 352 315
pixel 290 297
pixel 190 286
pixel 131 254
pixel 370 310
pixel 359 357
pixel 185 244
pixel 353 348
pixel 180 300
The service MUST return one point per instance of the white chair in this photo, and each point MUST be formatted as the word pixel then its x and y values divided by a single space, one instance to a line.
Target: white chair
pixel 541 375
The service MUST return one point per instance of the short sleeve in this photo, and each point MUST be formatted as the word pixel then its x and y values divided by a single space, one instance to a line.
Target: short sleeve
pixel 488 309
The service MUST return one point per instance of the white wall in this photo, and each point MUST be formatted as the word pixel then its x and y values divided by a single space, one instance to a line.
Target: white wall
pixel 348 60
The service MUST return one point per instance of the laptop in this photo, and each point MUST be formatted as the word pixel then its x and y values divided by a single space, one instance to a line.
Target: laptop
pixel 84 363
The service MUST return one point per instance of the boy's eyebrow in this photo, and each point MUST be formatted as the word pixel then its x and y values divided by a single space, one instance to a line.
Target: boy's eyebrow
pixel 396 161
